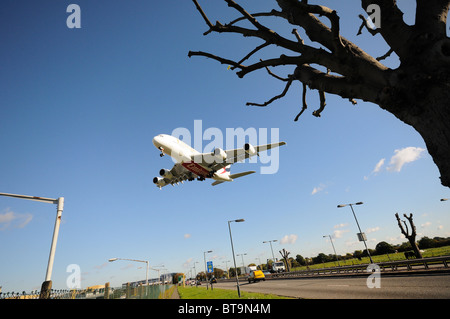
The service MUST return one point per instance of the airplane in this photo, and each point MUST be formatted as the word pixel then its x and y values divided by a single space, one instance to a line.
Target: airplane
pixel 191 164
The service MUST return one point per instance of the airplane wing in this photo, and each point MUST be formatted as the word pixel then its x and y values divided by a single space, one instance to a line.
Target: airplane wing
pixel 221 158
pixel 176 175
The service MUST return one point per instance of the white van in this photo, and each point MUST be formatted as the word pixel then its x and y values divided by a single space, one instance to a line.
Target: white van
pixel 278 266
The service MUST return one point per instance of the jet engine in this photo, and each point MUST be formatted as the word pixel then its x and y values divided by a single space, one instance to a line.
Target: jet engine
pixel 165 173
pixel 159 181
pixel 220 154
pixel 249 149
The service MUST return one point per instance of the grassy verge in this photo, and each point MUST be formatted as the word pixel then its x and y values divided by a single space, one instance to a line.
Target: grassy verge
pixel 201 293
pixel 431 252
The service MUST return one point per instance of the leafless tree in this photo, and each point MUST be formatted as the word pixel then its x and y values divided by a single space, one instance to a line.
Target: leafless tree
pixel 417 92
pixel 285 254
pixel 410 235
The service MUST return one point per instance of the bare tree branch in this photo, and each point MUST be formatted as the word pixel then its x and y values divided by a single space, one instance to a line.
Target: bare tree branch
pixel 273 13
pixel 286 88
pixel 385 55
pixel 316 113
pixel 253 52
pixel 274 75
pixel 304 105
pixel 199 8
pixel 366 24
pixel 393 29
pixel 416 92
pixel 217 58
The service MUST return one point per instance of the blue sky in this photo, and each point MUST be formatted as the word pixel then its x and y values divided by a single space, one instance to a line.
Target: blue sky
pixel 79 109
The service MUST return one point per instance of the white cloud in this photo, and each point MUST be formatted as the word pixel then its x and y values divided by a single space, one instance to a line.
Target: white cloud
pixel 11 219
pixel 340 225
pixel 403 156
pixel 425 224
pixel 289 239
pixel 376 169
pixel 372 230
pixel 339 233
pixel 187 263
pixel 378 166
pixel 400 158
pixel 317 189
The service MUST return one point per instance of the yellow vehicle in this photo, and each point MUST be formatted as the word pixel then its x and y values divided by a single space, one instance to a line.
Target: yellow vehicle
pixel 256 275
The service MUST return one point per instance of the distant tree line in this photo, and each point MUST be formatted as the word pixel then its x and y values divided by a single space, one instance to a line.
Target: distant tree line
pixel 382 248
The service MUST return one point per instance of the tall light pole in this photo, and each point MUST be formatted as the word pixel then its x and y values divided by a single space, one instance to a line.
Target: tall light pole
pixel 242 256
pixel 333 248
pixel 226 267
pixel 270 241
pixel 141 261
pixel 47 284
pixel 195 270
pixel 232 250
pixel 204 259
pixel 361 235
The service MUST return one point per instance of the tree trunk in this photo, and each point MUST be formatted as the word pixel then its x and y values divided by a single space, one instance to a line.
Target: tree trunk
pixel 410 236
pixel 421 98
pixel 434 128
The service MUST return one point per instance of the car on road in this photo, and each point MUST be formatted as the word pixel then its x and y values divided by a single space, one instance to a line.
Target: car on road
pixel 256 275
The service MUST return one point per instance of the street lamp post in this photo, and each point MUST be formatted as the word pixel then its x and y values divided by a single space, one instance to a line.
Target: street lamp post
pixel 242 256
pixel 47 284
pixel 361 233
pixel 204 259
pixel 232 250
pixel 226 267
pixel 195 271
pixel 333 249
pixel 141 261
pixel 270 241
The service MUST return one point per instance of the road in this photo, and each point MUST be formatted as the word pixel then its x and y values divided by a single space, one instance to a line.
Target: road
pixel 435 286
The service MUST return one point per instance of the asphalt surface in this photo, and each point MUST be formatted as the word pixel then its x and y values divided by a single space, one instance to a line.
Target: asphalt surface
pixel 433 286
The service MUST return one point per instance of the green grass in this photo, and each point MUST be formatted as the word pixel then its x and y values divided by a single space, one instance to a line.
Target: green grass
pixel 201 293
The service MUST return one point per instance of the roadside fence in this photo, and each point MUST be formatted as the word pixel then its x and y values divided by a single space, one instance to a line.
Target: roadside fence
pixel 126 292
pixel 431 264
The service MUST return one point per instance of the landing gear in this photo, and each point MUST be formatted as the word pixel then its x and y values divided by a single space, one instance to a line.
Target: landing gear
pixel 162 151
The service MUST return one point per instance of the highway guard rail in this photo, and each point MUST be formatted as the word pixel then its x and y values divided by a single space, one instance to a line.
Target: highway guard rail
pixel 427 265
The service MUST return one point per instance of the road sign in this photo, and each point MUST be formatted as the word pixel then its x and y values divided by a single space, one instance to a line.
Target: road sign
pixel 209 267
pixel 361 236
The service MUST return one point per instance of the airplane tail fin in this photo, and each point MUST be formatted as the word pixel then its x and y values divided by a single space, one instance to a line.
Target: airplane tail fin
pixel 233 176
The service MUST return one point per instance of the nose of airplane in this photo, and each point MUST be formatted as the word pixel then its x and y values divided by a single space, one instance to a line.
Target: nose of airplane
pixel 156 141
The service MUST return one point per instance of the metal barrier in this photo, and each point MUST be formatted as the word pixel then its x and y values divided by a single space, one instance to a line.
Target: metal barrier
pixel 129 292
pixel 402 266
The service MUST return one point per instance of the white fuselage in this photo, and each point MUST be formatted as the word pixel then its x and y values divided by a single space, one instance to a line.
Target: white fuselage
pixel 184 155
